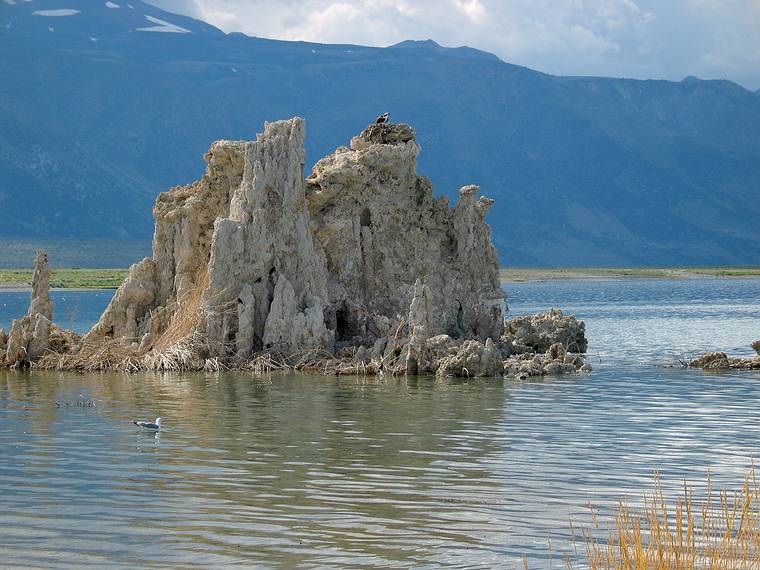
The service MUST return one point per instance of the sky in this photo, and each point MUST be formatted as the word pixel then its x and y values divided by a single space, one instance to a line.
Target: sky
pixel 657 39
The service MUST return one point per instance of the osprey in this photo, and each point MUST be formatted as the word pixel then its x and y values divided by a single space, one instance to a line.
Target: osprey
pixel 382 118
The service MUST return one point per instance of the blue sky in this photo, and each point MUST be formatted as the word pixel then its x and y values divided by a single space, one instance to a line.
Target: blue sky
pixel 667 39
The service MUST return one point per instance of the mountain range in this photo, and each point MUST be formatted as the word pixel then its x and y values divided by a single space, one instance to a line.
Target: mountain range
pixel 105 104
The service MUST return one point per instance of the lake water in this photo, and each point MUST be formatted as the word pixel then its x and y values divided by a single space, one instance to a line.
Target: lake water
pixel 311 471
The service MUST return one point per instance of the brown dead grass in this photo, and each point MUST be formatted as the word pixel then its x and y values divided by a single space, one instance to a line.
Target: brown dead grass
pixel 188 315
pixel 178 348
pixel 719 531
pixel 92 357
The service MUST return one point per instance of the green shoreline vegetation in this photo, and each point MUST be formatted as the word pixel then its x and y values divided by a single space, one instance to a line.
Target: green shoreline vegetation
pixel 112 278
pixel 512 275
pixel 65 278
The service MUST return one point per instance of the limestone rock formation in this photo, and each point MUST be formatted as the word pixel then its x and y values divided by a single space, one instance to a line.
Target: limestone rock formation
pixel 537 333
pixel 29 337
pixel 421 328
pixel 473 359
pixel 721 361
pixel 266 243
pixel 41 303
pixel 120 320
pixel 18 340
pixel 163 290
pixel 556 360
pixel 381 228
pixel 357 269
pixel 255 258
pixel 710 360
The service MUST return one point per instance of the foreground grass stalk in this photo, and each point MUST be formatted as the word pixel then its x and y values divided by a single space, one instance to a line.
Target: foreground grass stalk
pixel 720 533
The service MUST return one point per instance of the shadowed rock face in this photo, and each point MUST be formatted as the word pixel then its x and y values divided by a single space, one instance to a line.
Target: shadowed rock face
pixel 253 257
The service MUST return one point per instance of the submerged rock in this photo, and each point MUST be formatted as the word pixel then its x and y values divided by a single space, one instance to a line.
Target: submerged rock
pixel 253 257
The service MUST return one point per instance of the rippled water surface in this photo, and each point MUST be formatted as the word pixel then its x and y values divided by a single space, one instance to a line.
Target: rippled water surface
pixel 313 471
pixel 74 309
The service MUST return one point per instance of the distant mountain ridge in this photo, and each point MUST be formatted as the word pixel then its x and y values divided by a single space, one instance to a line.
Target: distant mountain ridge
pixel 106 104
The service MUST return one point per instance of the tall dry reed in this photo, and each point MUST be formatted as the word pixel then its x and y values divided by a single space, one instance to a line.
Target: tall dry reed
pixel 717 531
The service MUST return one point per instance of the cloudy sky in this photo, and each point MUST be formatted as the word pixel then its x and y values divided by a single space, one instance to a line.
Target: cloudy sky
pixel 623 38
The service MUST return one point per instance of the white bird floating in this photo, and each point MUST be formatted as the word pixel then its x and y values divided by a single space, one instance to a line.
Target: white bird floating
pixel 149 425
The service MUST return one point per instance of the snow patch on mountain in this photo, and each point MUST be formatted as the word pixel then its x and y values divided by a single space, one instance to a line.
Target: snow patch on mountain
pixel 56 13
pixel 163 26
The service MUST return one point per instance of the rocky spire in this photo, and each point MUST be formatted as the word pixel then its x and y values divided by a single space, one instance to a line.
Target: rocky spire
pixel 30 335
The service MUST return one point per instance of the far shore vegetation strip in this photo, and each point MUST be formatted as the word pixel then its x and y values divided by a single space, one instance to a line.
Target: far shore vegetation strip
pixel 66 278
pixel 510 274
pixel 112 278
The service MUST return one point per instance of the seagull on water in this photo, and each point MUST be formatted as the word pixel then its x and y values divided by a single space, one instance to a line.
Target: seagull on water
pixel 382 119
pixel 149 425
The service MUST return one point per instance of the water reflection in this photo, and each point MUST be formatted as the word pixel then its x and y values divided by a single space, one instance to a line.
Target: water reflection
pixel 302 470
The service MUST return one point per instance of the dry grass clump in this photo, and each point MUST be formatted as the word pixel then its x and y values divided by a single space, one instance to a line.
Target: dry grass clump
pixel 179 356
pixel 265 362
pixel 324 363
pixel 720 531
pixel 307 361
pixel 94 357
pixel 177 349
pixel 189 314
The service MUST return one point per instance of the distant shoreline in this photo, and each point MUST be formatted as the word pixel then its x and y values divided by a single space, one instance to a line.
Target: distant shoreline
pixel 19 280
pixel 518 275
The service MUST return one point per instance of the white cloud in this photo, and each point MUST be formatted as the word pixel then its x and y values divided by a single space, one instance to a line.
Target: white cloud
pixel 732 41
pixel 635 38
